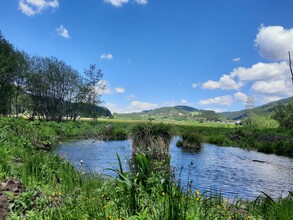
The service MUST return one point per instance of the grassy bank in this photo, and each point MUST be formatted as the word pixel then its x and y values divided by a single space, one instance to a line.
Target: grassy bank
pixel 54 189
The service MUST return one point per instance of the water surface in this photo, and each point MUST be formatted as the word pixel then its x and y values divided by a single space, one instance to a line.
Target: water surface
pixel 229 170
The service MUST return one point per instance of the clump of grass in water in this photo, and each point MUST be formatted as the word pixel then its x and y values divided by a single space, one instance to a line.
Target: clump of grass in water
pixel 152 139
pixel 190 141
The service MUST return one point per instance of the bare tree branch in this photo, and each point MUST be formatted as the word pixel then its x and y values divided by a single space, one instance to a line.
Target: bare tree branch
pixel 290 65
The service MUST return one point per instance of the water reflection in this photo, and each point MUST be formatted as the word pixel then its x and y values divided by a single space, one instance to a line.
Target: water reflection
pixel 231 171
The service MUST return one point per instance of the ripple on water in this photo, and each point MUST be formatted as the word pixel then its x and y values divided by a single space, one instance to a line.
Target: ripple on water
pixel 231 171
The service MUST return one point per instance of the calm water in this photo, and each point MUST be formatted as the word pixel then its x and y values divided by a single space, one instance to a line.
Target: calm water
pixel 228 170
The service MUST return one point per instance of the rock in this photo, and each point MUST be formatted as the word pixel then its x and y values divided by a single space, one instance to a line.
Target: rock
pixel 10 185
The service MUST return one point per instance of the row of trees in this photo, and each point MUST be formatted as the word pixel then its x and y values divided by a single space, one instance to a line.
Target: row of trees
pixel 45 87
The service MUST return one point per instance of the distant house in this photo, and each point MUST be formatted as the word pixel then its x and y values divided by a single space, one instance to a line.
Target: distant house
pixel 238 122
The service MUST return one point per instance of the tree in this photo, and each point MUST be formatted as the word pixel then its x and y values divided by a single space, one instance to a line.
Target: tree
pixel 51 84
pixel 94 86
pixel 284 115
pixel 7 75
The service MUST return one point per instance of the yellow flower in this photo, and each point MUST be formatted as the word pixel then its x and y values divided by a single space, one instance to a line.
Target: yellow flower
pixel 163 193
pixel 60 193
pixel 249 217
pixel 197 198
pixel 229 217
pixel 197 192
pixel 105 206
pixel 102 195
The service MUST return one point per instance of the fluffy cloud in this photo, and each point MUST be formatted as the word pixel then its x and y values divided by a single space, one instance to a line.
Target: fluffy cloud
pixel 194 85
pixel 226 82
pixel 106 56
pixel 240 96
pixel 274 42
pixel 120 90
pixel 262 71
pixel 226 100
pixel 119 3
pixel 33 7
pixel 62 31
pixel 137 106
pixel 237 59
pixel 279 88
pixel 183 101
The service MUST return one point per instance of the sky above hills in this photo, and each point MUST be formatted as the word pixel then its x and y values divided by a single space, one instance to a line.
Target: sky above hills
pixel 208 54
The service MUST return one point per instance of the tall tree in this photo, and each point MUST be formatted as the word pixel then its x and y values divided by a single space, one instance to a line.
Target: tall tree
pixel 7 75
pixel 94 86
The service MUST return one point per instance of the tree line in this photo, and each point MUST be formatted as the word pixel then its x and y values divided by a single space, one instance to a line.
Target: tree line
pixel 46 87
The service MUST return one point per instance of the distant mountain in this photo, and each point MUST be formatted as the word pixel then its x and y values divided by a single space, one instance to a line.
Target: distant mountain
pixel 266 109
pixel 179 113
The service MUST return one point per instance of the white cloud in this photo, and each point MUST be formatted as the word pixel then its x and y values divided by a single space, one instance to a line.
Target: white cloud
pixel 119 3
pixel 240 96
pixel 237 59
pixel 279 88
pixel 106 56
pixel 274 42
pixel 226 82
pixel 120 90
pixel 62 31
pixel 218 110
pixel 137 106
pixel 194 85
pixel 262 71
pixel 141 2
pixel 184 101
pixel 226 100
pixel 130 97
pixel 33 7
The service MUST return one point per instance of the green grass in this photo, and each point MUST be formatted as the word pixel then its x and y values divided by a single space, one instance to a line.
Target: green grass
pixel 54 189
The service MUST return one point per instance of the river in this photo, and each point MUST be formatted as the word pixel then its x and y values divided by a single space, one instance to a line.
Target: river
pixel 227 170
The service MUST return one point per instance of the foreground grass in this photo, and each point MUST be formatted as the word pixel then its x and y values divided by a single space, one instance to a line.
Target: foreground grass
pixel 56 190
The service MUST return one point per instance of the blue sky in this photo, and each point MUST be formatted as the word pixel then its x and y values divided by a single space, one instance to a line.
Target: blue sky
pixel 208 54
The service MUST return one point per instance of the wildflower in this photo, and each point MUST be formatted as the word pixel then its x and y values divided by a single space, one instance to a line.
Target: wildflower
pixel 229 217
pixel 102 195
pixel 248 217
pixel 197 192
pixel 197 198
pixel 163 193
pixel 105 206
pixel 60 193
pixel 110 216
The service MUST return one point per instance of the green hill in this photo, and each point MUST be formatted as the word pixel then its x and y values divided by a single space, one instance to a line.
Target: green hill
pixel 266 109
pixel 178 113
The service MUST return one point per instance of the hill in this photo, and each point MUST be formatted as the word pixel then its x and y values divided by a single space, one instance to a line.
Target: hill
pixel 260 110
pixel 178 113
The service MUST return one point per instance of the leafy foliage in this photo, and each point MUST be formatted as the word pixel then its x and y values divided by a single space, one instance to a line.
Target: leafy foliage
pixel 284 115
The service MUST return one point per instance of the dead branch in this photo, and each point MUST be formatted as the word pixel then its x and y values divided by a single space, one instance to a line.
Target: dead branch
pixel 290 65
